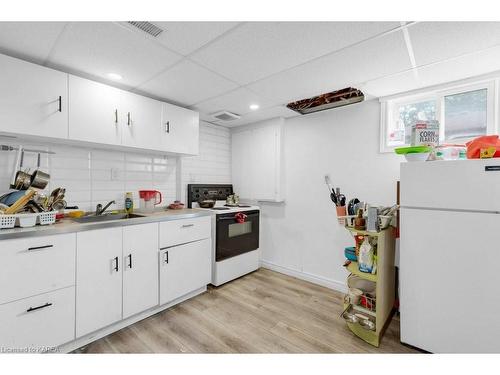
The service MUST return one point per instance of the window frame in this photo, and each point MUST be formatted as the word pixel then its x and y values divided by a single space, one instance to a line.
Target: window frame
pixel 389 106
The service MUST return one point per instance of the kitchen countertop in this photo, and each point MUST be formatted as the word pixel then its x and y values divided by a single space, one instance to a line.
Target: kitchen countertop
pixel 67 225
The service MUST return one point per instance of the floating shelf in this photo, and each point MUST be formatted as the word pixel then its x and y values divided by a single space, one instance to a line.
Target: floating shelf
pixel 354 268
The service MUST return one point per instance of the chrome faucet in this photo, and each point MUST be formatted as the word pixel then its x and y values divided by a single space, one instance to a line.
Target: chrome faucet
pixel 99 210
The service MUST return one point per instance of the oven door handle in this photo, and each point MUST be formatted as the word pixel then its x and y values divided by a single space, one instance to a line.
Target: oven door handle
pixel 232 217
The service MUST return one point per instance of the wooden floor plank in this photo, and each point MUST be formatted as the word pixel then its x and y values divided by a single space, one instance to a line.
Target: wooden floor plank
pixel 263 312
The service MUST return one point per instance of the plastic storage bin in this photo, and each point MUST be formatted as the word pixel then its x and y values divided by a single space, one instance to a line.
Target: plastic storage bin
pixel 26 220
pixel 46 218
pixel 7 221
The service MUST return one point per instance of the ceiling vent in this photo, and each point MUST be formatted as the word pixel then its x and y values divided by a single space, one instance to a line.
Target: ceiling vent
pixel 226 116
pixel 329 100
pixel 147 27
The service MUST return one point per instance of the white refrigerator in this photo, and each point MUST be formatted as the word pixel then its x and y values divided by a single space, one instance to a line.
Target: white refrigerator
pixel 450 256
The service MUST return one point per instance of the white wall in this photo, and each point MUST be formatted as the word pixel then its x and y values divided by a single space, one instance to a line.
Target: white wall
pixel 86 173
pixel 302 236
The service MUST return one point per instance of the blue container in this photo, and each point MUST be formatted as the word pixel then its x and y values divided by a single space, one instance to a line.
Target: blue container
pixel 350 253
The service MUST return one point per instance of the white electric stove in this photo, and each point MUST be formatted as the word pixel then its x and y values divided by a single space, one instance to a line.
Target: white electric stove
pixel 235 245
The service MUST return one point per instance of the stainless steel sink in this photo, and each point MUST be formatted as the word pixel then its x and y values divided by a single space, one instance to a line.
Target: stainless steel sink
pixel 108 217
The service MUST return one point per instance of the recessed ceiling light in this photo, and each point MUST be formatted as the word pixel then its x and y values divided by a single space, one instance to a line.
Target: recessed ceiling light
pixel 114 76
pixel 254 107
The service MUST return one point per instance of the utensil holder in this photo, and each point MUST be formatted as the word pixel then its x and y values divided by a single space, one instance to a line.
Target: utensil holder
pixel 341 214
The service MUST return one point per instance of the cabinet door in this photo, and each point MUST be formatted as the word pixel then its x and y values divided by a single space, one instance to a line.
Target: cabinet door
pixel 140 268
pixel 184 269
pixel 99 279
pixel 94 112
pixel 142 122
pixel 257 168
pixel 242 165
pixel 33 99
pixel 180 130
pixel 265 158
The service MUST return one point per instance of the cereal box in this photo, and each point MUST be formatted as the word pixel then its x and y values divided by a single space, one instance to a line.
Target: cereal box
pixel 425 133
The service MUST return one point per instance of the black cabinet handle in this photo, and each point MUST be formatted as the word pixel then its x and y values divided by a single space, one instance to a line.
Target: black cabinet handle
pixel 60 103
pixel 129 261
pixel 166 257
pixel 116 264
pixel 38 307
pixel 128 118
pixel 187 225
pixel 167 126
pixel 116 116
pixel 40 247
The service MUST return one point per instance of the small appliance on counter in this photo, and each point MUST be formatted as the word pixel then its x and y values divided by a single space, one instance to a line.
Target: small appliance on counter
pixel 235 231
pixel 149 199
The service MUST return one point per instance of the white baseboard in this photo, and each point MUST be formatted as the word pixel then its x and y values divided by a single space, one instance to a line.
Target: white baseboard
pixel 328 283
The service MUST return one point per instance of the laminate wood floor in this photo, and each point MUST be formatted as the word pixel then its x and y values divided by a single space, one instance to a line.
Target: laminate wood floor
pixel 263 312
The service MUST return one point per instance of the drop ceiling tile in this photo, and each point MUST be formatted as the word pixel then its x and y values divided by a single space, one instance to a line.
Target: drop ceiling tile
pixel 30 41
pixel 186 37
pixel 456 69
pixel 259 49
pixel 436 41
pixel 260 115
pixel 97 48
pixel 471 65
pixel 366 61
pixel 236 101
pixel 187 83
pixel 391 85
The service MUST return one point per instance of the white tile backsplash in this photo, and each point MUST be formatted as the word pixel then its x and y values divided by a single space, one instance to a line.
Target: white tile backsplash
pixel 213 164
pixel 93 176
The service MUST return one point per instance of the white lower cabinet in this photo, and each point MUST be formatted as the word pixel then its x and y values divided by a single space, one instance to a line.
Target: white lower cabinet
pixel 140 268
pixel 38 322
pixel 118 275
pixel 184 269
pixel 98 279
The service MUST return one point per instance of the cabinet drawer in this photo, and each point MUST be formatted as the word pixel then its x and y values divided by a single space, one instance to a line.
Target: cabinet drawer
pixel 36 265
pixel 177 232
pixel 45 320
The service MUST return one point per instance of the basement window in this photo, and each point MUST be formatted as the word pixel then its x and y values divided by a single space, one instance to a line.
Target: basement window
pixel 464 112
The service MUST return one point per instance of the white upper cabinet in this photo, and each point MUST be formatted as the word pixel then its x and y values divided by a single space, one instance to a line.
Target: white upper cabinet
pixel 37 101
pixel 257 159
pixel 142 119
pixel 33 99
pixel 180 130
pixel 95 112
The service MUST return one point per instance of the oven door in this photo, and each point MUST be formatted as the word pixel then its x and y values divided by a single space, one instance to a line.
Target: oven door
pixel 235 238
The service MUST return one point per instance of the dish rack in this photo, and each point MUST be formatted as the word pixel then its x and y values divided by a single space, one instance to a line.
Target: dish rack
pixel 27 220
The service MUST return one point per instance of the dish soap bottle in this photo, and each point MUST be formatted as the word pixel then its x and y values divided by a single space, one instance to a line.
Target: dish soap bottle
pixel 129 203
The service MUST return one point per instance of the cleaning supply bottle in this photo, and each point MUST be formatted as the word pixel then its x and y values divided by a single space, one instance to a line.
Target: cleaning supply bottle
pixel 129 203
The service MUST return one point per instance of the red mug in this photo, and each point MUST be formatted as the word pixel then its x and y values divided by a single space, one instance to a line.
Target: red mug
pixel 147 195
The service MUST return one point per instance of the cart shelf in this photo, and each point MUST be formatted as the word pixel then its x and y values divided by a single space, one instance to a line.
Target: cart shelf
pixel 385 281
pixel 354 268
pixel 364 232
